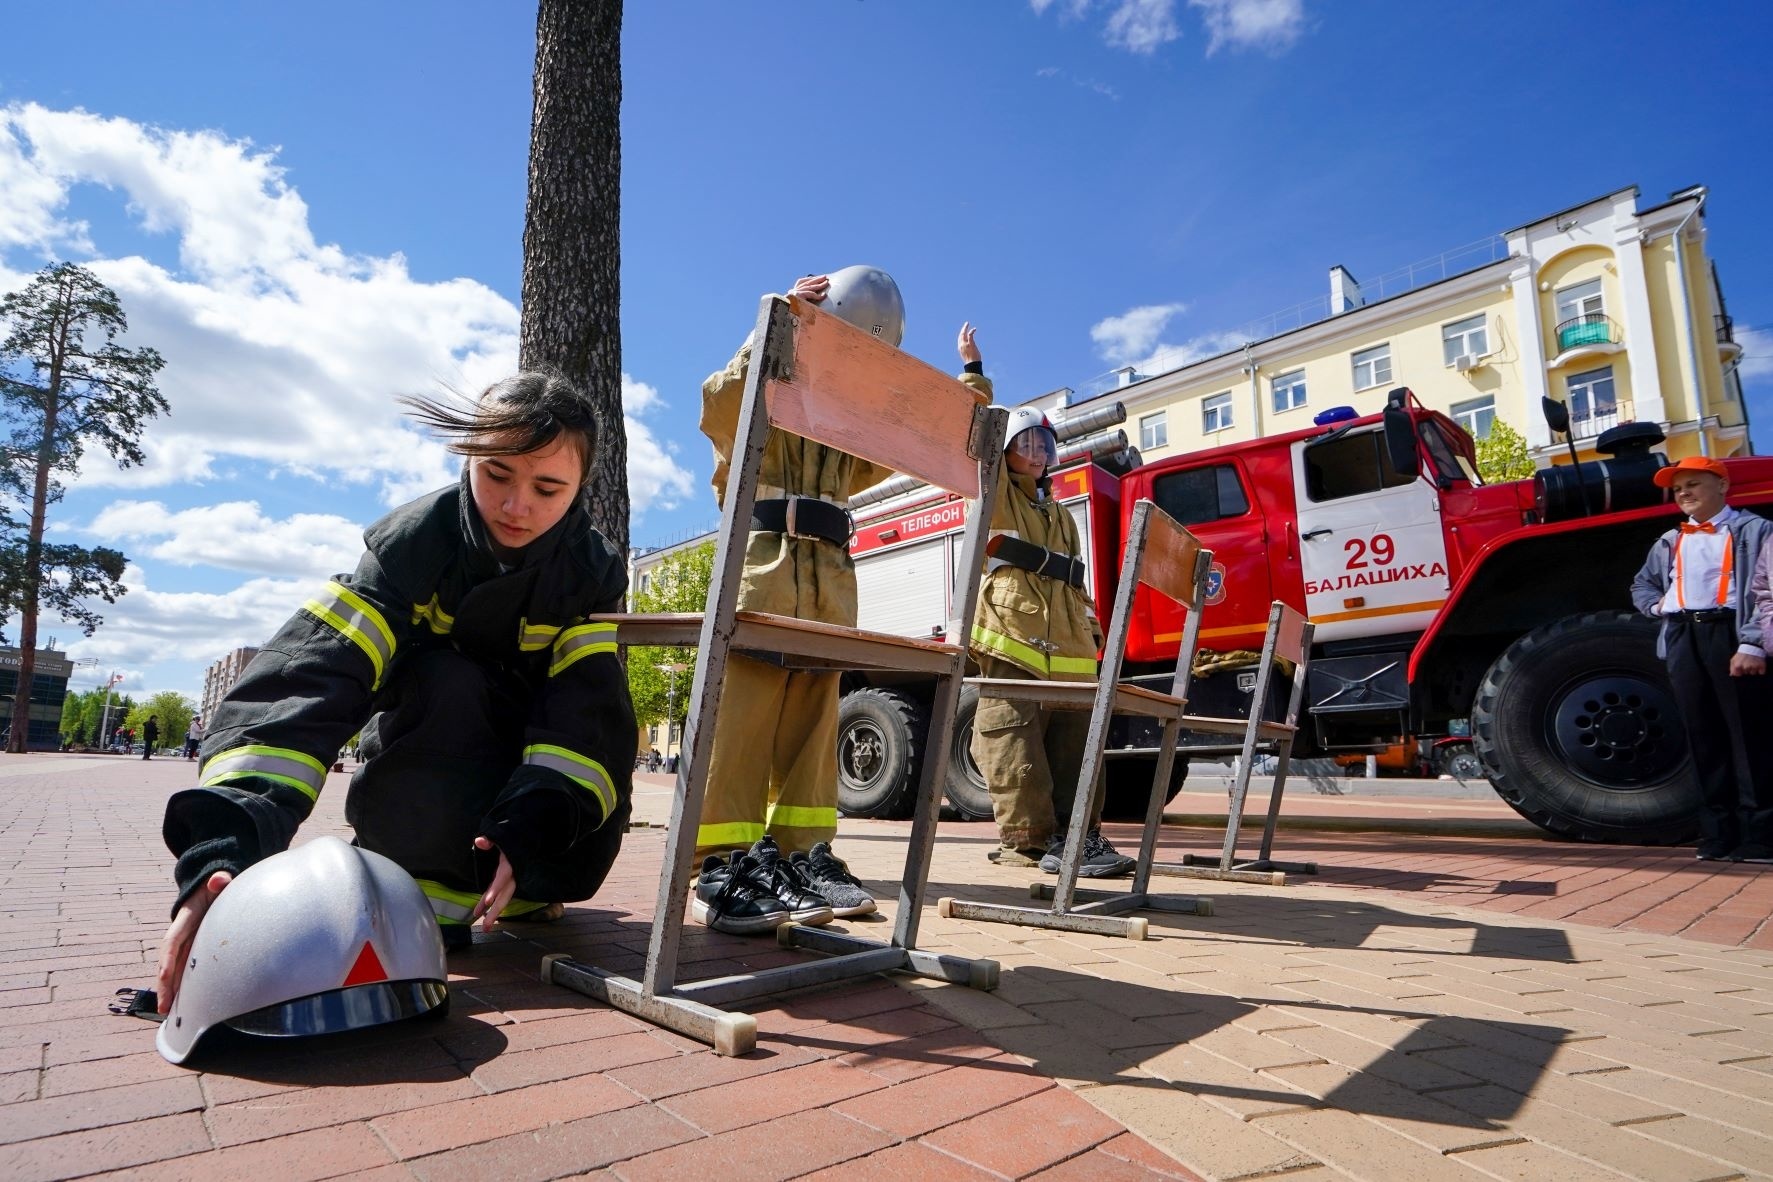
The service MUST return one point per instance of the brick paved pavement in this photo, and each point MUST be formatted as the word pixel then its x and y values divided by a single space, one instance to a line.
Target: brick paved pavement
pixel 1434 1006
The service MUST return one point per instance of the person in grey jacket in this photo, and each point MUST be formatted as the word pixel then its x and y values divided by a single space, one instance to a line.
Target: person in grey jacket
pixel 1699 581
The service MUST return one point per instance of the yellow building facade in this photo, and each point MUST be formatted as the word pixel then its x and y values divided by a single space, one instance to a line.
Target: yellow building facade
pixel 1611 309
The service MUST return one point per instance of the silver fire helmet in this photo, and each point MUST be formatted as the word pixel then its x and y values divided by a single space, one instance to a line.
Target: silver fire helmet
pixel 1030 434
pixel 317 939
pixel 868 298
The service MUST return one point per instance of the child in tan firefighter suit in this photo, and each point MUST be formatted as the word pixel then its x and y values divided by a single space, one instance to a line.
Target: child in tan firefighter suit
pixel 1034 621
pixel 777 727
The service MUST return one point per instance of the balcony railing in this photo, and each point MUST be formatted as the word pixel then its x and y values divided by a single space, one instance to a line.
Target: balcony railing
pixel 1594 329
pixel 1588 426
pixel 1726 329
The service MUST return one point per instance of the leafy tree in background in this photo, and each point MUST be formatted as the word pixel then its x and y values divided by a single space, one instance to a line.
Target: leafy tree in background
pixel 678 584
pixel 571 244
pixel 171 710
pixel 1502 455
pixel 83 714
pixel 65 383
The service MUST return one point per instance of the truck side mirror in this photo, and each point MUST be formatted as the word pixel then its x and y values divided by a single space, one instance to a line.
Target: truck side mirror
pixel 1557 415
pixel 1400 440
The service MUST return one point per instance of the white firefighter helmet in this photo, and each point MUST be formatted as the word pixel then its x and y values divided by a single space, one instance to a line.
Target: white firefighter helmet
pixel 1030 434
pixel 317 939
pixel 868 298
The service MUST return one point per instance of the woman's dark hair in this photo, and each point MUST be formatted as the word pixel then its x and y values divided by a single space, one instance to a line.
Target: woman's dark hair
pixel 520 414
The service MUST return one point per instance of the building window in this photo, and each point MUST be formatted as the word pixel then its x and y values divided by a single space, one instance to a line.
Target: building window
pixel 652 734
pixel 1476 416
pixel 1465 338
pixel 1289 390
pixel 1372 367
pixel 1593 405
pixel 1215 413
pixel 1154 431
pixel 1581 299
pixel 1201 495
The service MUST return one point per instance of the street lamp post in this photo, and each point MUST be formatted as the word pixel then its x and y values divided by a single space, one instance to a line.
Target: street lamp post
pixel 104 735
pixel 671 670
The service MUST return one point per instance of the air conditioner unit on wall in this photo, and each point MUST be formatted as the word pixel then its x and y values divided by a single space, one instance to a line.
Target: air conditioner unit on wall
pixel 1466 362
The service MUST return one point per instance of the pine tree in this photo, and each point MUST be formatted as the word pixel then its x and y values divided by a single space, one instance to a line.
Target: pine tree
pixel 65 383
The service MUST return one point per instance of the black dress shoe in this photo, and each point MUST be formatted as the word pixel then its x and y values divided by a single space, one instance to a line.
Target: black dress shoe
pixel 1712 851
pixel 1756 852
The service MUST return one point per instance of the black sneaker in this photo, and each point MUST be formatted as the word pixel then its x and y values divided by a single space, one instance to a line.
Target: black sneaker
pixel 736 898
pixel 830 876
pixel 1754 852
pixel 1100 858
pixel 805 904
pixel 1712 851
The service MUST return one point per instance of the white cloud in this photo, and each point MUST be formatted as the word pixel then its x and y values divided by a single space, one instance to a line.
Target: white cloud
pixel 1145 26
pixel 1121 338
pixel 1271 25
pixel 1757 352
pixel 1142 26
pixel 234 535
pixel 284 355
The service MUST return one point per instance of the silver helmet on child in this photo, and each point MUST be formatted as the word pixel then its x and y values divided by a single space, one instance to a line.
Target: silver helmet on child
pixel 1031 433
pixel 317 939
pixel 868 298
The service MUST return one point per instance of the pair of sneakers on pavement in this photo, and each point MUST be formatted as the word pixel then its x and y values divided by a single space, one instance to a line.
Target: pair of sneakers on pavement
pixel 1099 857
pixel 760 890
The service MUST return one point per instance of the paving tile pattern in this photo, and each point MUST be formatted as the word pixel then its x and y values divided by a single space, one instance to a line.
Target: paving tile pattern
pixel 1428 1007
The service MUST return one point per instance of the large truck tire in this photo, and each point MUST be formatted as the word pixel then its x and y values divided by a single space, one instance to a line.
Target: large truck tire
pixel 880 737
pixel 963 785
pixel 1126 789
pixel 1580 733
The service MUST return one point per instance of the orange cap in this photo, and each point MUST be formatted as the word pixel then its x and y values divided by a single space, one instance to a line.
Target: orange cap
pixel 1665 477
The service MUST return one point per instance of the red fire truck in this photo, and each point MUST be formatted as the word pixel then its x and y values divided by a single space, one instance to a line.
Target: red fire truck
pixel 1440 602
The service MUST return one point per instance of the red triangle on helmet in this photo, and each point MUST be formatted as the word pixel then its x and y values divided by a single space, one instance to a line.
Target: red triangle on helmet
pixel 367 969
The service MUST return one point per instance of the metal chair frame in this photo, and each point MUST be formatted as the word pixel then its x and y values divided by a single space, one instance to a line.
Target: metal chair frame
pixel 1288 639
pixel 814 376
pixel 1167 558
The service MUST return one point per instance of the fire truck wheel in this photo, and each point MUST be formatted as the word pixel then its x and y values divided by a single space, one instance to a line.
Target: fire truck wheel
pixel 1126 789
pixel 1581 735
pixel 963 785
pixel 880 737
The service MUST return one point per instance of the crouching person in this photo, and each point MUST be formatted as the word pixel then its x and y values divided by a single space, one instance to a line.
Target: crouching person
pixel 498 737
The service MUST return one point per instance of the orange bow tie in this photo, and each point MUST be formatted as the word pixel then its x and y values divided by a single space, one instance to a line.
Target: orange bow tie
pixel 1687 527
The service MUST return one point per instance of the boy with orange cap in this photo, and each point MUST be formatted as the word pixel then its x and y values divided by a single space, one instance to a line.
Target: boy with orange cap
pixel 1698 582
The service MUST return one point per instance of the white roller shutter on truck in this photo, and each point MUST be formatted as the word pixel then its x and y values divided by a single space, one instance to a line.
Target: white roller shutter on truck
pixel 904 591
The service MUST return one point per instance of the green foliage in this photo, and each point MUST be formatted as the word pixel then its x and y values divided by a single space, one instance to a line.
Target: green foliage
pixel 83 713
pixel 1502 455
pixel 678 584
pixel 173 712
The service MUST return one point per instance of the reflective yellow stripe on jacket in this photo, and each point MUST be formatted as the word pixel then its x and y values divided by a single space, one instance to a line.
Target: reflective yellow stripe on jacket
pixel 351 616
pixel 729 835
pixel 452 906
pixel 579 641
pixel 1031 657
pixel 532 638
pixel 301 772
pixel 585 772
pixel 433 616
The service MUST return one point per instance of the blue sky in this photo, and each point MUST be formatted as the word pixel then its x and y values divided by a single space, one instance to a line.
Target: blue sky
pixel 312 209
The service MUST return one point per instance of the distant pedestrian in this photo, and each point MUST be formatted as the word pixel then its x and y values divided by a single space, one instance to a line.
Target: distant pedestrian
pixel 193 736
pixel 150 736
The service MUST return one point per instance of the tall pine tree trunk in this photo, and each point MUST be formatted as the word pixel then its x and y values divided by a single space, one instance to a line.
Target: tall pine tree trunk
pixel 18 739
pixel 571 232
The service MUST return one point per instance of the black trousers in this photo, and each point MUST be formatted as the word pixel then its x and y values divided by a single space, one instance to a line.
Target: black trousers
pixel 448 734
pixel 1724 718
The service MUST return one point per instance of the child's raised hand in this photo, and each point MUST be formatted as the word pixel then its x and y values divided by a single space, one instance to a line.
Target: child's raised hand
pixel 811 288
pixel 969 348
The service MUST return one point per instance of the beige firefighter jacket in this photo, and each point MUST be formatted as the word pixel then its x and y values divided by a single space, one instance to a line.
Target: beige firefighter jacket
pixel 806 578
pixel 1046 626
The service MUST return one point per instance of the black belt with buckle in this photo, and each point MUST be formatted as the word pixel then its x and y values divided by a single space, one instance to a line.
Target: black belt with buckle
pixel 1710 615
pixel 803 517
pixel 1037 559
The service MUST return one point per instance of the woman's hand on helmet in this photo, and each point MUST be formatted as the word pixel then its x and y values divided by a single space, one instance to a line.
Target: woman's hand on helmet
pixel 175 946
pixel 969 348
pixel 504 885
pixel 811 288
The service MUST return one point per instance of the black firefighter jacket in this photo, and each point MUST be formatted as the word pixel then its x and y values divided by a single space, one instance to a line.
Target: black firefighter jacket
pixel 428 580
